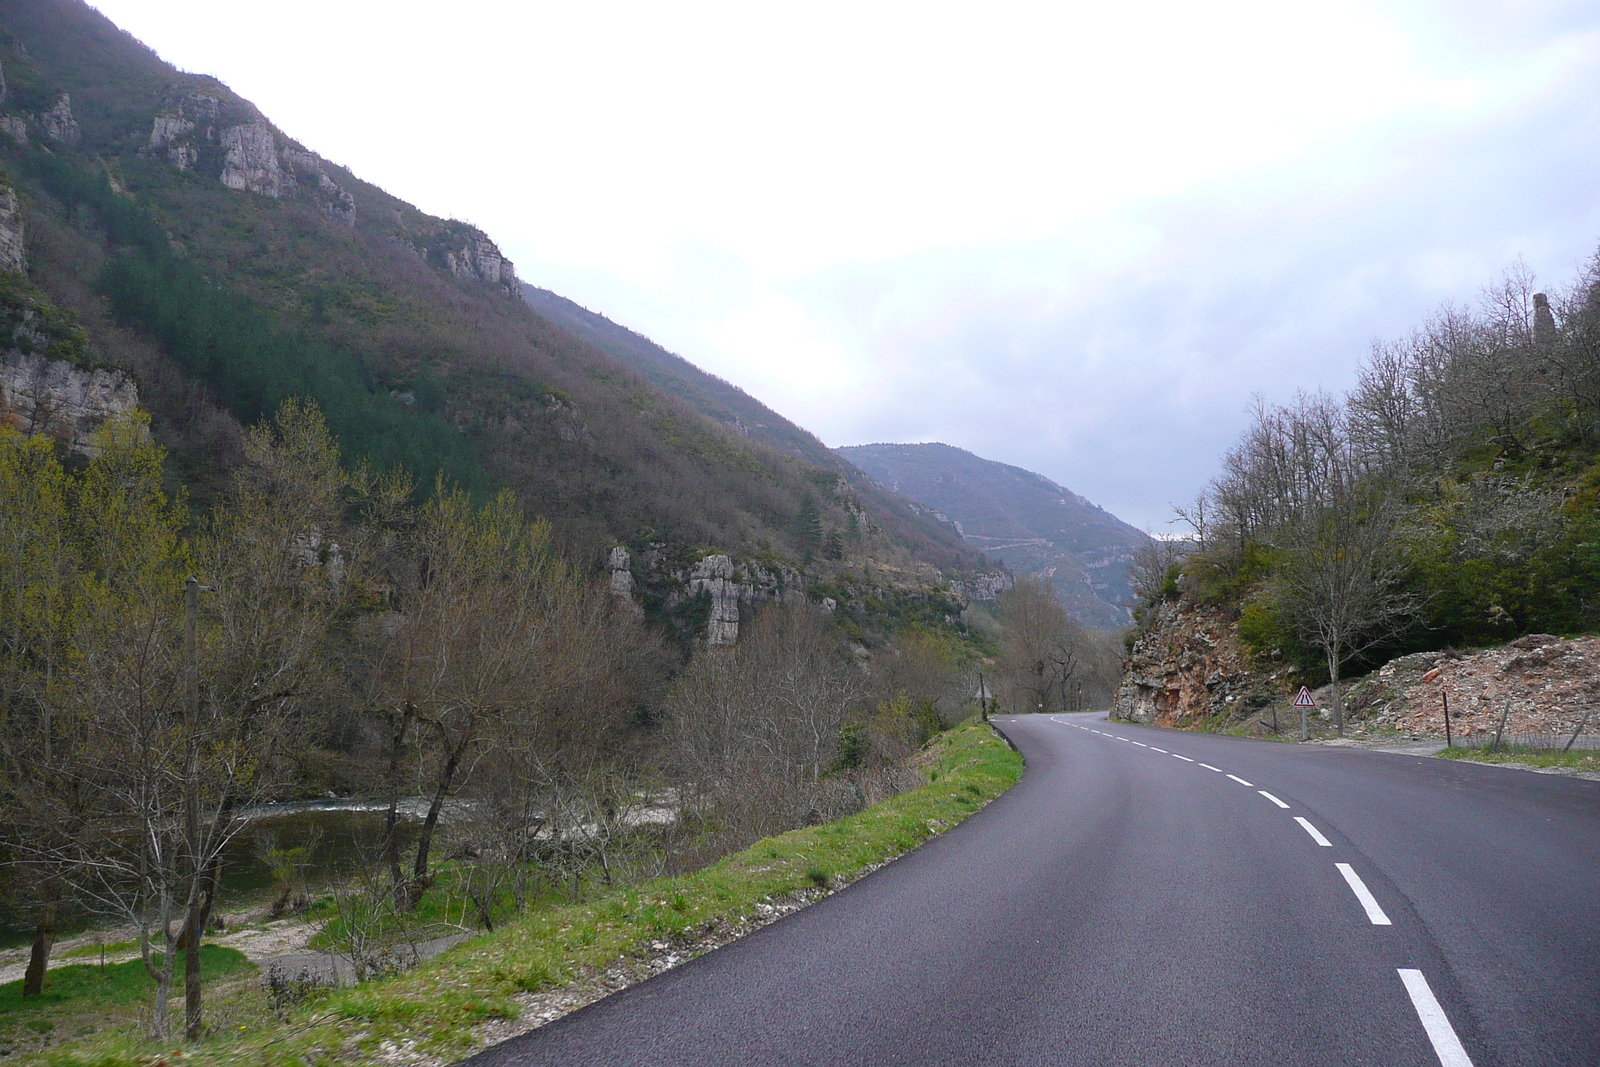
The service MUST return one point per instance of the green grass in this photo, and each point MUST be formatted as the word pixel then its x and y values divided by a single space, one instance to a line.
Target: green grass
pixel 439 1005
pixel 110 948
pixel 118 983
pixel 1581 759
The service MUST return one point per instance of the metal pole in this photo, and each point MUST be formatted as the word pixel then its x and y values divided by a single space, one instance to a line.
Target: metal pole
pixel 1305 726
pixel 1448 743
pixel 983 697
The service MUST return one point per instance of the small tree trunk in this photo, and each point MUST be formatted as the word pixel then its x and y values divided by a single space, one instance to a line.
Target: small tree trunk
pixel 419 874
pixel 391 822
pixel 1338 701
pixel 44 939
pixel 194 928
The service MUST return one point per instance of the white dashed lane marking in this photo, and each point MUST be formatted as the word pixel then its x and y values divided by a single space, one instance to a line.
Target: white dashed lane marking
pixel 1363 894
pixel 1446 1045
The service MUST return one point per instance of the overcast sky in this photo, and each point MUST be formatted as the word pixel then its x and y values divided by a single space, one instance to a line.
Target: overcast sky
pixel 1073 237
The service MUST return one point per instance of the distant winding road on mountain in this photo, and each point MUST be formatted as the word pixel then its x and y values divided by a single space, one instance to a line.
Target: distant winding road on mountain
pixel 1154 897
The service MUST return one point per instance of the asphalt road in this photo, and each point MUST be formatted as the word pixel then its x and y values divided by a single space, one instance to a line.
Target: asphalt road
pixel 1137 899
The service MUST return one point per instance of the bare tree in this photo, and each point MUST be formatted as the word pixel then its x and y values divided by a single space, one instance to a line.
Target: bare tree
pixel 1342 583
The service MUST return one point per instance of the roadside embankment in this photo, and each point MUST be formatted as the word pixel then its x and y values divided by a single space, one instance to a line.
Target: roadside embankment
pixel 556 960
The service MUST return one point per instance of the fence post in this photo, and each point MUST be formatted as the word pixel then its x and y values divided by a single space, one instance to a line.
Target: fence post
pixel 1447 742
pixel 1581 724
pixel 1501 729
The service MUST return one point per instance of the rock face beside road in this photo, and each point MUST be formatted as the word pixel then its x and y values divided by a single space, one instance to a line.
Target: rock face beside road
pixel 1548 683
pixel 1189 666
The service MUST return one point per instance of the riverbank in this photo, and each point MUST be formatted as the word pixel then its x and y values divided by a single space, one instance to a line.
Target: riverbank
pixel 555 960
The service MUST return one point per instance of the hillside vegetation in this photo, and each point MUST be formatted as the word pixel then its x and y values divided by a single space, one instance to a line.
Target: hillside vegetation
pixel 228 268
pixel 1018 517
pixel 1450 499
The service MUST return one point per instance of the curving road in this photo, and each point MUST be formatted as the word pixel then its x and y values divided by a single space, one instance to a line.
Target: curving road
pixel 1155 897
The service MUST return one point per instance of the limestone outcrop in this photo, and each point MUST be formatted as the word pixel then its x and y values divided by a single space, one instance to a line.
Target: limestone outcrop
pixel 13 256
pixel 252 161
pixel 1189 666
pixel 985 585
pixel 479 259
pixel 58 123
pixel 1542 684
pixel 714 575
pixel 56 397
pixel 621 577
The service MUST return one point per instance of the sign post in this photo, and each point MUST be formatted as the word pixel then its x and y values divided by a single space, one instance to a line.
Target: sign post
pixel 1304 703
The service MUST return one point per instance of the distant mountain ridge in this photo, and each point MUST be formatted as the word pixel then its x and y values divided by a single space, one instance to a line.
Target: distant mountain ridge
pixel 740 413
pixel 1023 519
pixel 672 374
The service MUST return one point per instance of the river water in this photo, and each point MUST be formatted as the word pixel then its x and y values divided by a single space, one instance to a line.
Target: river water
pixel 341 834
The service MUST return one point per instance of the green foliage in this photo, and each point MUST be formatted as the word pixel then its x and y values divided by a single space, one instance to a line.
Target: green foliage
pixel 30 323
pixel 117 982
pixel 440 1004
pixel 228 341
pixel 854 744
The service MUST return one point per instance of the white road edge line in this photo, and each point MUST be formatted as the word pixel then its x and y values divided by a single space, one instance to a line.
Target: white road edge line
pixel 1241 781
pixel 1446 1045
pixel 1186 759
pixel 1363 894
pixel 1316 835
pixel 1163 751
pixel 1208 767
pixel 1272 798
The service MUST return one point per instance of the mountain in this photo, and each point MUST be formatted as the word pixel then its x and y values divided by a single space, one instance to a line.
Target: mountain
pixel 213 261
pixel 740 413
pixel 713 397
pixel 1018 517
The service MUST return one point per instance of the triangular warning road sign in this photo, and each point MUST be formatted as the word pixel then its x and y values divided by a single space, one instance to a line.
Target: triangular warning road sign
pixel 1304 699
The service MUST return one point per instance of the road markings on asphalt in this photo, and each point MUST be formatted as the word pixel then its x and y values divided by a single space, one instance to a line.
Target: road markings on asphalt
pixel 1316 835
pixel 1272 798
pixel 1163 751
pixel 1208 767
pixel 1446 1045
pixel 1185 759
pixel 1363 894
pixel 1141 744
pixel 1241 781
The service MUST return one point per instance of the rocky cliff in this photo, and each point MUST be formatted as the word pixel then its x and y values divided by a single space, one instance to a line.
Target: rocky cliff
pixel 60 399
pixel 1188 667
pixel 1541 685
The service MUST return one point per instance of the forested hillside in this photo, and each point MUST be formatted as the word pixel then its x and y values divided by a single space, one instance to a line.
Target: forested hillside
pixel 227 268
pixel 1023 519
pixel 1450 499
pixel 299 496
pixel 734 409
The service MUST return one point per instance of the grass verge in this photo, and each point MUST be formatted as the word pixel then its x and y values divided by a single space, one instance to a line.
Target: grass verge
pixel 438 1010
pixel 1578 759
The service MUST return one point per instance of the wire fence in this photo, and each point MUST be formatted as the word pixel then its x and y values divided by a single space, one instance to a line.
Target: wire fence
pixel 1547 742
